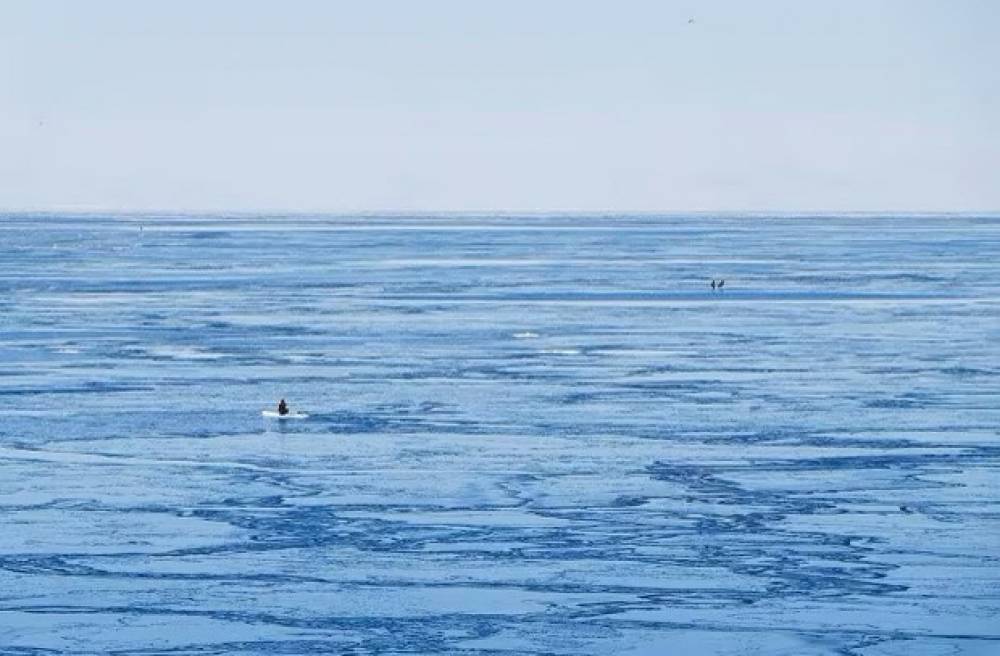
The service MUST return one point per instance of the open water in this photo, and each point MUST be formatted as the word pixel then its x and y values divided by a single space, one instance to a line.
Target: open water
pixel 527 435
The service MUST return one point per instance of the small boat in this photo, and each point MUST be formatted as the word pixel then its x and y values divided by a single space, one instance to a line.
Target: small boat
pixel 274 414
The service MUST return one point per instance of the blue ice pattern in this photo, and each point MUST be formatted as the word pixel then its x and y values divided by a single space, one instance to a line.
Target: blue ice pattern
pixel 526 435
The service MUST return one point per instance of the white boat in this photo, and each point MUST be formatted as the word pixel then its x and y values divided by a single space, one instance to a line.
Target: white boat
pixel 273 414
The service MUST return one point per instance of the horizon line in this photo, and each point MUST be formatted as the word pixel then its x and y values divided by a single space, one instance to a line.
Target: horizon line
pixel 277 212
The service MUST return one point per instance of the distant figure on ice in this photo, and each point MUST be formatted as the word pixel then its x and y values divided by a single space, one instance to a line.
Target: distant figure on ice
pixel 721 283
pixel 713 284
pixel 282 407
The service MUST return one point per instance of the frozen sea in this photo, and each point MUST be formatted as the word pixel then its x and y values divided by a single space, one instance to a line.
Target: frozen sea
pixel 527 435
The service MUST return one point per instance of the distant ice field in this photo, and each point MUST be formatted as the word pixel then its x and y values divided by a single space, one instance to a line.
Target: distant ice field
pixel 526 435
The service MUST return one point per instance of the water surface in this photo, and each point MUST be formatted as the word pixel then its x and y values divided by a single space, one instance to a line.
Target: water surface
pixel 527 435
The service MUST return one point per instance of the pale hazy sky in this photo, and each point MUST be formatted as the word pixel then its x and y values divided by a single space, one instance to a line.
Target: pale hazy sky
pixel 510 104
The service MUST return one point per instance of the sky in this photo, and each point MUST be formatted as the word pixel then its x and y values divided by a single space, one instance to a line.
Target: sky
pixel 513 105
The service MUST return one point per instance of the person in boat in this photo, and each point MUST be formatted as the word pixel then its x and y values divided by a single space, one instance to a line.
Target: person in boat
pixel 282 407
